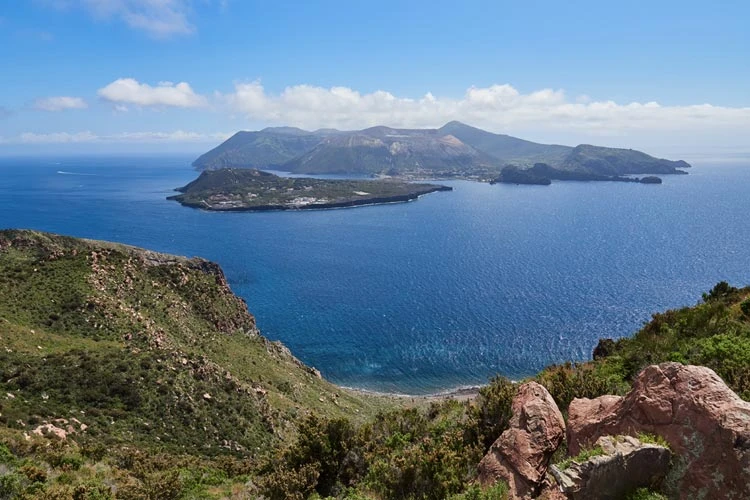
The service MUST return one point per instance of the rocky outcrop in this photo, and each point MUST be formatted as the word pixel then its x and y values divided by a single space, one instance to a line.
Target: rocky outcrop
pixel 520 456
pixel 705 423
pixel 51 431
pixel 625 465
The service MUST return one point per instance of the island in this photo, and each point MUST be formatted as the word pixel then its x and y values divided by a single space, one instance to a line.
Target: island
pixel 239 189
pixel 543 175
pixel 453 151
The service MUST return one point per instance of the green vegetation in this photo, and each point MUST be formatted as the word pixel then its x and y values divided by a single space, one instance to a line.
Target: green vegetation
pixel 647 438
pixel 250 189
pixel 130 372
pixel 583 456
pixel 263 149
pixel 645 494
pixel 714 333
pixel 614 161
pixel 543 174
pixel 131 352
pixel 474 492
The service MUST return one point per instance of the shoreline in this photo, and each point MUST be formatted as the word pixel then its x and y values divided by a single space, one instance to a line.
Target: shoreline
pixel 313 207
pixel 461 393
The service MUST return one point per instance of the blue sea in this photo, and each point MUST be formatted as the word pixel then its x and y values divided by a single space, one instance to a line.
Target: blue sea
pixel 425 296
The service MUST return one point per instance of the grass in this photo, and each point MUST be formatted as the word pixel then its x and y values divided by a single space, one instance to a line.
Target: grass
pixel 583 456
pixel 655 439
pixel 645 494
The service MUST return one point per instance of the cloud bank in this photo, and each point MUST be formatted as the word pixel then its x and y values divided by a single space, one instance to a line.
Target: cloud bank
pixel 546 115
pixel 88 137
pixel 59 103
pixel 497 108
pixel 166 94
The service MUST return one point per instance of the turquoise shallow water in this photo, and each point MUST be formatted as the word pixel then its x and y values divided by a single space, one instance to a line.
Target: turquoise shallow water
pixel 418 297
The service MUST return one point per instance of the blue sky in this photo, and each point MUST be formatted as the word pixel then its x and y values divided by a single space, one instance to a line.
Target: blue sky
pixel 114 75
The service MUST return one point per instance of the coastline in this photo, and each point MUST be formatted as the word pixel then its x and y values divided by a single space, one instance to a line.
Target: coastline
pixel 461 393
pixel 322 206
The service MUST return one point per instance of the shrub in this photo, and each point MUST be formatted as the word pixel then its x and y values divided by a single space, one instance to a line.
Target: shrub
pixel 493 410
pixel 645 494
pixel 499 491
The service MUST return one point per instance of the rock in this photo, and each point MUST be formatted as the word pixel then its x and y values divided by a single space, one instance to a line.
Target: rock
pixel 625 465
pixel 207 396
pixel 50 431
pixel 706 425
pixel 520 456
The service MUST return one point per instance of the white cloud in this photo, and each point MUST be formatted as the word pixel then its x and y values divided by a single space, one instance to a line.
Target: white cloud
pixel 53 138
pixel 178 136
pixel 130 91
pixel 158 18
pixel 59 103
pixel 549 114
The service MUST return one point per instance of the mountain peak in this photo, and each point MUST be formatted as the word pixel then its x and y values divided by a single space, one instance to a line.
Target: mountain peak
pixel 285 131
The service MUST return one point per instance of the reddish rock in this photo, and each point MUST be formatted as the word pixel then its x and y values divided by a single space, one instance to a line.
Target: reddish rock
pixel 520 456
pixel 705 423
pixel 625 465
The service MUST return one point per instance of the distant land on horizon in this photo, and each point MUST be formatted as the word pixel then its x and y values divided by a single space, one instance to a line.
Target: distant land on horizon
pixel 455 150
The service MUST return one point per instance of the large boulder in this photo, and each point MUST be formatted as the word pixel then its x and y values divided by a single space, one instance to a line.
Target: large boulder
pixel 706 425
pixel 520 456
pixel 625 465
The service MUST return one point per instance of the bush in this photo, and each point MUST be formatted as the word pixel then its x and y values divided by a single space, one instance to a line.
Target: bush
pixel 499 491
pixel 645 494
pixel 493 410
pixel 720 291
pixel 745 307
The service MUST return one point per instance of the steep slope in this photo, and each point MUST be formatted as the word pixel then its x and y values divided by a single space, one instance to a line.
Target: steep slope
pixel 506 148
pixel 263 149
pixel 383 150
pixel 613 161
pixel 145 348
pixel 455 150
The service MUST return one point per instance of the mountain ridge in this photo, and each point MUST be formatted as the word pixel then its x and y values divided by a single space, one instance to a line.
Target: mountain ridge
pixel 455 150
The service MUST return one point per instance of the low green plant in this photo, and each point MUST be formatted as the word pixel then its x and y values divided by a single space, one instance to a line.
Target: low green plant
pixel 583 456
pixel 498 491
pixel 656 439
pixel 645 494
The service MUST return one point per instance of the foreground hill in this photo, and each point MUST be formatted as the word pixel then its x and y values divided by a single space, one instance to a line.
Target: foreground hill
pixel 455 150
pixel 107 346
pixel 130 374
pixel 231 189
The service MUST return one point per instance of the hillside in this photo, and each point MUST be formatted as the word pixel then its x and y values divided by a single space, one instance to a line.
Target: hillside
pixel 253 190
pixel 507 149
pixel 132 374
pixel 266 148
pixel 118 346
pixel 455 150
pixel 613 161
pixel 383 150
pixel 543 174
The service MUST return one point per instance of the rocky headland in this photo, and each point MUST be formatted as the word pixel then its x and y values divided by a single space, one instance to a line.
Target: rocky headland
pixel 543 175
pixel 242 190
